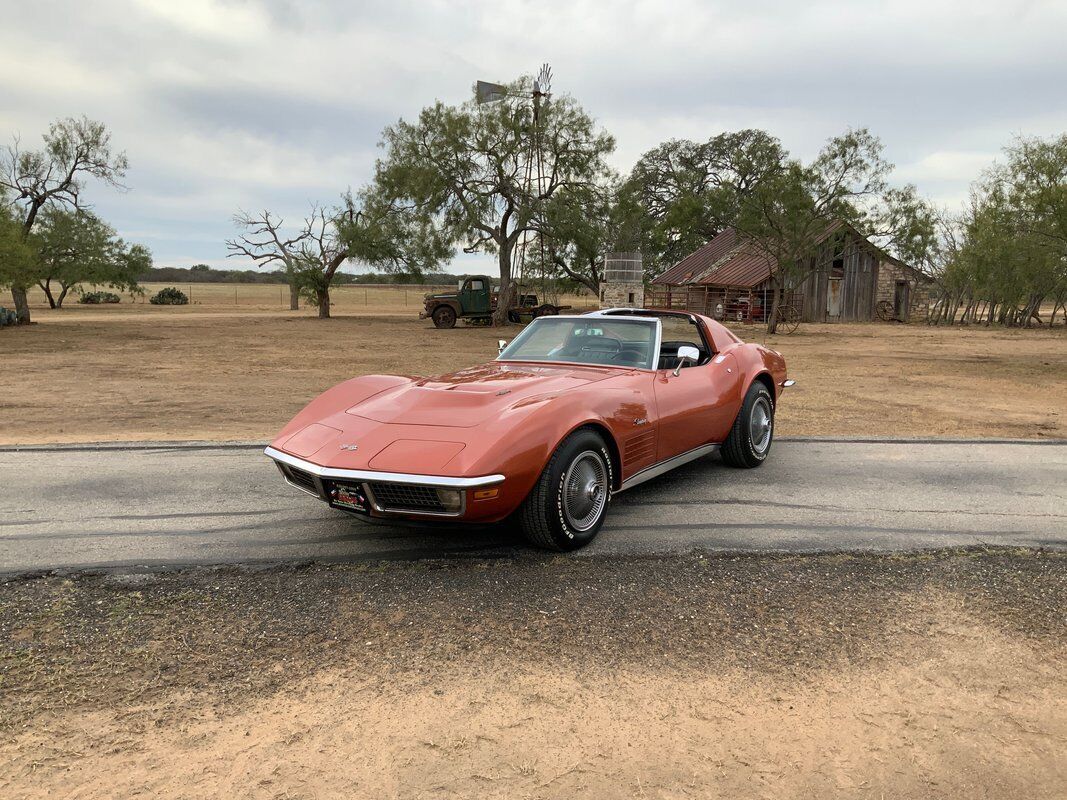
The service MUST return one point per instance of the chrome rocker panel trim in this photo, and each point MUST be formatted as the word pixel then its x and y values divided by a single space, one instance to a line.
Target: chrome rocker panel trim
pixel 438 481
pixel 648 473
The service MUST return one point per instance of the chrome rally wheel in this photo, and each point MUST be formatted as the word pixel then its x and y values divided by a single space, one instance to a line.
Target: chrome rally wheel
pixel 749 442
pixel 585 491
pixel 566 507
pixel 761 424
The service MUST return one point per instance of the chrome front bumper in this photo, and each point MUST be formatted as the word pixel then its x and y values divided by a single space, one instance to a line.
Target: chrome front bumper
pixel 365 477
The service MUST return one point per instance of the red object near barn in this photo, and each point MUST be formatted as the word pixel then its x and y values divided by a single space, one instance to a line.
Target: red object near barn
pixel 574 410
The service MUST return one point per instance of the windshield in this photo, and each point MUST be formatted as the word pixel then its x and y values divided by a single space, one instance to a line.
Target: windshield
pixel 586 340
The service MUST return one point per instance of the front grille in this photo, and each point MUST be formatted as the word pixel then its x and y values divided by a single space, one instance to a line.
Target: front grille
pixel 305 480
pixel 406 497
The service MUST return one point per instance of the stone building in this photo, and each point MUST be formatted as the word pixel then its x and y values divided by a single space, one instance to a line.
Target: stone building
pixel 622 283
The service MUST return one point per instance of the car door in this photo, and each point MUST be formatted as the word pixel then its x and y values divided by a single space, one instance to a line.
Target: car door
pixel 697 406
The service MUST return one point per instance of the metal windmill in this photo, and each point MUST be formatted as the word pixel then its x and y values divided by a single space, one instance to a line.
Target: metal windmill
pixel 534 169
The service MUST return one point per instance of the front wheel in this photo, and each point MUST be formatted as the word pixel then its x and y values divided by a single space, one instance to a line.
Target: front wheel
pixel 444 317
pixel 566 507
pixel 749 441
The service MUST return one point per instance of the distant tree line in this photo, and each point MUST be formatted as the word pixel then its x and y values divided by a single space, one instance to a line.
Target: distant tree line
pixel 202 273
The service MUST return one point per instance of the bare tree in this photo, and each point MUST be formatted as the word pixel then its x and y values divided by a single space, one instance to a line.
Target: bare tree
pixel 74 150
pixel 263 242
pixel 383 235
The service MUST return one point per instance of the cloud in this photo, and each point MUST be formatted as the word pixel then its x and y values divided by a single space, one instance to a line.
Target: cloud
pixel 223 104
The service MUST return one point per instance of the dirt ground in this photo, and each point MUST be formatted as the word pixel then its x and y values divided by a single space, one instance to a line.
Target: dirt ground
pixel 219 371
pixel 941 675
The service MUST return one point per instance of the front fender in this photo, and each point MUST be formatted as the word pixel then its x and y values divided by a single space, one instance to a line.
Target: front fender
pixel 520 441
pixel 338 398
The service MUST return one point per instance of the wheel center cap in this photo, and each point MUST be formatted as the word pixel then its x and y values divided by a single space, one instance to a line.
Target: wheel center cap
pixel 592 490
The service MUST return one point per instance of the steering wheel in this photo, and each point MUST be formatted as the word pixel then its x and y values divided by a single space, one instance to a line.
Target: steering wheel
pixel 601 344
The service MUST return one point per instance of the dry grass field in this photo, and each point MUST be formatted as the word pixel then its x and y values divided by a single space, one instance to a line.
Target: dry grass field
pixel 220 371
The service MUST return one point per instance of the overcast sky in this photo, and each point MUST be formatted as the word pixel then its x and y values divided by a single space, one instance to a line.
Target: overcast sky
pixel 226 104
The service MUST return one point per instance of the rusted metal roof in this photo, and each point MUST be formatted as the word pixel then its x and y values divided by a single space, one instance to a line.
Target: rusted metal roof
pixel 745 267
pixel 724 261
pixel 728 260
pixel 690 268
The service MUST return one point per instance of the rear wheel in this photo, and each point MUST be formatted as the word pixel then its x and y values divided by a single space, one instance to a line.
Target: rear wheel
pixel 567 506
pixel 749 442
pixel 444 317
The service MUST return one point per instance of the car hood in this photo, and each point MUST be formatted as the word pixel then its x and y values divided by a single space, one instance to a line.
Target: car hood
pixel 469 397
pixel 430 426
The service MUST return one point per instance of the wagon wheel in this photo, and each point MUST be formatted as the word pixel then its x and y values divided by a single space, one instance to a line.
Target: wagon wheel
pixel 884 310
pixel 788 319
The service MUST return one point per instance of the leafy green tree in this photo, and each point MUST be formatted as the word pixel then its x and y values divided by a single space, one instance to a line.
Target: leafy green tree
pixel 17 258
pixel 470 170
pixel 582 221
pixel 74 150
pixel 75 247
pixel 682 193
pixel 1006 255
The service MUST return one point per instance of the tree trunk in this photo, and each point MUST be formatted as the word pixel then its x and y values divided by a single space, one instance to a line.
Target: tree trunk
pixel 323 296
pixel 62 294
pixel 294 295
pixel 507 287
pixel 777 300
pixel 22 304
pixel 46 287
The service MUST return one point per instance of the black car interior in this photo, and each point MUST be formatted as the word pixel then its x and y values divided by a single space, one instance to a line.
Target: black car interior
pixel 683 327
pixel 668 353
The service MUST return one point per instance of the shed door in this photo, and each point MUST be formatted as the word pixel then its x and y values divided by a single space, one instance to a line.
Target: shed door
pixel 900 300
pixel 833 298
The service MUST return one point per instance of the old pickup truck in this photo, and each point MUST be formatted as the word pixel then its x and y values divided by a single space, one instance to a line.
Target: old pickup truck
pixel 475 300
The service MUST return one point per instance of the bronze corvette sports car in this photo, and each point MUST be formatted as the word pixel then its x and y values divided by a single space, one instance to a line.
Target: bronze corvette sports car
pixel 574 410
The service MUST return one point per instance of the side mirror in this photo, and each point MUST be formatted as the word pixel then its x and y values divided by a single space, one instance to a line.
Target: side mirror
pixel 686 353
pixel 500 345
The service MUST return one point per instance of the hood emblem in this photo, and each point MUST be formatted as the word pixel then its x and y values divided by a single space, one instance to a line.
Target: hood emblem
pixel 351 447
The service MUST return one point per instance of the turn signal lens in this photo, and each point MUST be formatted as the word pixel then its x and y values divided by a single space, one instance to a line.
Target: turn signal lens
pixel 486 494
pixel 450 499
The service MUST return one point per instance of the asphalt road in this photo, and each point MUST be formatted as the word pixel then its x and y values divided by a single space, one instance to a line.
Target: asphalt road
pixel 75 508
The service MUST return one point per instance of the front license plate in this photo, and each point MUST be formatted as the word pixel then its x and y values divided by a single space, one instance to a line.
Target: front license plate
pixel 350 498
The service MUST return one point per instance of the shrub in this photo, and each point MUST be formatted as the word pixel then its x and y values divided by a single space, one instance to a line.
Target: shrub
pixel 169 297
pixel 7 317
pixel 95 298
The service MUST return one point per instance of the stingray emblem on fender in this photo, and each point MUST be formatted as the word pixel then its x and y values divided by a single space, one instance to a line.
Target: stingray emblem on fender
pixel 350 447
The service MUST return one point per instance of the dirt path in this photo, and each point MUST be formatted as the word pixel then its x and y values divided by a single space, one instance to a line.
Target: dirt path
pixel 920 676
pixel 144 373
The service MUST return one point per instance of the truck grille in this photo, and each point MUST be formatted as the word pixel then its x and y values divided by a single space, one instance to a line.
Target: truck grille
pixel 406 497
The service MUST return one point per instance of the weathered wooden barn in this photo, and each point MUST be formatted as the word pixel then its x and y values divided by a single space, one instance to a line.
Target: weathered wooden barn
pixel 730 278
